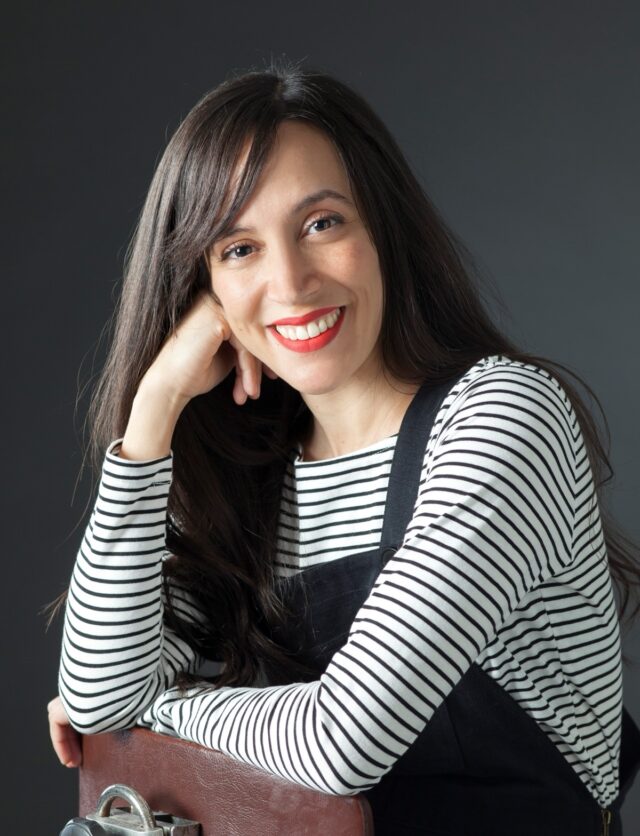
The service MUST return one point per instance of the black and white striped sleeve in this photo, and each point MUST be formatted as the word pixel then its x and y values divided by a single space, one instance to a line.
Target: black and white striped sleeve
pixel 117 655
pixel 493 520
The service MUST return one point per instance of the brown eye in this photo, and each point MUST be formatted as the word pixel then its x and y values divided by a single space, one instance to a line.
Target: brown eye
pixel 233 248
pixel 335 218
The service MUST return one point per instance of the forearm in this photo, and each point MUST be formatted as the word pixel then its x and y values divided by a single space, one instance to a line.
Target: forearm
pixel 116 655
pixel 281 729
pixel 151 424
pixel 483 539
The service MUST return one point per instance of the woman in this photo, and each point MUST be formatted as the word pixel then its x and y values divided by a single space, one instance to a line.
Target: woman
pixel 384 524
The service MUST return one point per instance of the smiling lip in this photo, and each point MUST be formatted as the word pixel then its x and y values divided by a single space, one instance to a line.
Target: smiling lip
pixel 313 343
pixel 302 320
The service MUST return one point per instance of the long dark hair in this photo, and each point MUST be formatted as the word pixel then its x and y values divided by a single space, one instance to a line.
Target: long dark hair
pixel 229 461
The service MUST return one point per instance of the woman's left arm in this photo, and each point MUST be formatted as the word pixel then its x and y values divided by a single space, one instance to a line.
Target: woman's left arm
pixel 494 519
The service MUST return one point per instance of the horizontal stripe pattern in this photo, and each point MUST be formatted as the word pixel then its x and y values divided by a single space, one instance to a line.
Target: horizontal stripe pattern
pixel 333 508
pixel 503 563
pixel 117 656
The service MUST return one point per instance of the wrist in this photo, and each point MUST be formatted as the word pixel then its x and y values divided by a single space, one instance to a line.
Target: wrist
pixel 152 421
pixel 159 396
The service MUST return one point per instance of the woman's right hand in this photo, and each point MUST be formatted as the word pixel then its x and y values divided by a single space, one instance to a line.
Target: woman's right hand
pixel 193 359
pixel 200 353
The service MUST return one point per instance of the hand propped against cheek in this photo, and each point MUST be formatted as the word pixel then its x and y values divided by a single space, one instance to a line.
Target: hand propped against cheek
pixel 200 353
pixel 195 356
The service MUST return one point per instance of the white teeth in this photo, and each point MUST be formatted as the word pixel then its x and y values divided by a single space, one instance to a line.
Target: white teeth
pixel 311 329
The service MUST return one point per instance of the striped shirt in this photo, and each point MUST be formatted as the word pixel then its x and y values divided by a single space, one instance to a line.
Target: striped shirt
pixel 503 564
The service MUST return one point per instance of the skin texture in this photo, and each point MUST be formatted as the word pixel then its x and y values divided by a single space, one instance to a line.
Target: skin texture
pixel 294 264
pixel 291 263
pixel 199 354
pixel 192 360
pixel 65 739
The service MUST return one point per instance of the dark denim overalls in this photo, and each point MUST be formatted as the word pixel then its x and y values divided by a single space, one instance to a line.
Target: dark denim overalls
pixel 482 766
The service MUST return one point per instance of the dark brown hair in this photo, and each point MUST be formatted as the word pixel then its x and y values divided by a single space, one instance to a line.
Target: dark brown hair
pixel 229 461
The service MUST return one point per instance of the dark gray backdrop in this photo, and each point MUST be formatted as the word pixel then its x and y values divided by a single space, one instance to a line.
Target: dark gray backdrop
pixel 521 119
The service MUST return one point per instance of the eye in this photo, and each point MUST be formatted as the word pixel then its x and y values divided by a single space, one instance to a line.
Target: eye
pixel 322 218
pixel 233 248
pixel 234 252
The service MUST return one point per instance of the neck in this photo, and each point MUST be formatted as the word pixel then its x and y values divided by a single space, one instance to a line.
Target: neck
pixel 346 421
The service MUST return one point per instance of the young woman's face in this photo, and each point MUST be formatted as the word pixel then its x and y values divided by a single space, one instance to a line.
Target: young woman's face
pixel 302 253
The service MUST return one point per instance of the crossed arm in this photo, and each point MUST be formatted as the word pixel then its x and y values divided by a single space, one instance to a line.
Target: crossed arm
pixel 493 520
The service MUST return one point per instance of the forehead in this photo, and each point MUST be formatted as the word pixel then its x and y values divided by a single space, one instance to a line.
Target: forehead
pixel 302 158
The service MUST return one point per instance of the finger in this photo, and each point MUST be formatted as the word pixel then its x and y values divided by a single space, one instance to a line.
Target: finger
pixel 249 376
pixel 66 743
pixel 59 740
pixel 269 372
pixel 249 368
pixel 239 394
pixel 221 323
pixel 65 739
pixel 255 374
pixel 223 328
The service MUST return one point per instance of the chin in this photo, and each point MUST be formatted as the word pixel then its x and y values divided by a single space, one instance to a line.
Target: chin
pixel 314 384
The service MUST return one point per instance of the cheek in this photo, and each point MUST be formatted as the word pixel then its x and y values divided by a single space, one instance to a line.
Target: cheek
pixel 355 257
pixel 241 310
pixel 361 266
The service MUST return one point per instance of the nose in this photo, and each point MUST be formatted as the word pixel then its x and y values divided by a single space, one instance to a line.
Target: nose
pixel 291 276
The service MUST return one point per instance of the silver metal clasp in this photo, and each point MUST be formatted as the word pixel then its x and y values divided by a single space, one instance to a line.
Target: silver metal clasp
pixel 139 819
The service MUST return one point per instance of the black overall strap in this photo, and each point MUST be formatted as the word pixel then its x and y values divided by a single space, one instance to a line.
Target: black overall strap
pixel 406 468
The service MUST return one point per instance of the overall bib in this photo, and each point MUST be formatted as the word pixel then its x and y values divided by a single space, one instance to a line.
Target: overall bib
pixel 482 766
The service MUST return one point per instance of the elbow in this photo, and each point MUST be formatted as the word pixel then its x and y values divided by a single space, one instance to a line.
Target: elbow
pixel 90 715
pixel 92 707
pixel 95 721
pixel 335 786
pixel 347 792
pixel 98 724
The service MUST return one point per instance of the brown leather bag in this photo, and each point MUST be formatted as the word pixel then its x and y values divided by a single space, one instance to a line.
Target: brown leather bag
pixel 227 797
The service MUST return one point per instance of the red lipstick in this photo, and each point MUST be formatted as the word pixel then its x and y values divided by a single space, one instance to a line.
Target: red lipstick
pixel 313 343
pixel 302 320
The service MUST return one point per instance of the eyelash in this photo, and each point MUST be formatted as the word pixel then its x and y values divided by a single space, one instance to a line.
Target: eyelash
pixel 226 253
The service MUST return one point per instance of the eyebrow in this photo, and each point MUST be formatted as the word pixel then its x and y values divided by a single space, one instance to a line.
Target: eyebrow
pixel 306 201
